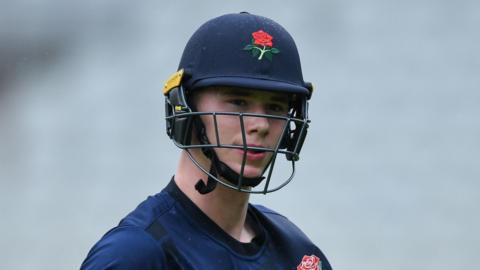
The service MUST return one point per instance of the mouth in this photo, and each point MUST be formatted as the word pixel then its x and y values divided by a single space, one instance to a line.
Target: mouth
pixel 254 154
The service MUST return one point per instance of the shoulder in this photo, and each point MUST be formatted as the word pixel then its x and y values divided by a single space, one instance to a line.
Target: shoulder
pixel 268 216
pixel 124 247
pixel 267 211
pixel 288 237
pixel 134 243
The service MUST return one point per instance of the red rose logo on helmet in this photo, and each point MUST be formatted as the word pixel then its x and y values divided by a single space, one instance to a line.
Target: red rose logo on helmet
pixel 262 45
pixel 262 38
pixel 311 262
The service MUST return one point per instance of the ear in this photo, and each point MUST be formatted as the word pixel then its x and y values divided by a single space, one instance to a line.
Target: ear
pixel 178 116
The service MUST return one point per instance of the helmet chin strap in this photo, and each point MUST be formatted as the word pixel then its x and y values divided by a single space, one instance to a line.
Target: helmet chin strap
pixel 217 167
pixel 220 169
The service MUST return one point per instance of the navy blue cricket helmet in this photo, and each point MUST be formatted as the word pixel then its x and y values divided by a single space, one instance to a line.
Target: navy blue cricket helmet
pixel 224 51
pixel 243 51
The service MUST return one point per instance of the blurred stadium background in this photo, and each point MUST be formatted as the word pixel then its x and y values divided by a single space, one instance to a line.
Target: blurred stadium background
pixel 389 177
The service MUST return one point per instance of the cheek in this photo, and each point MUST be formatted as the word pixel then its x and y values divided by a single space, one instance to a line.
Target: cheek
pixel 227 127
pixel 276 128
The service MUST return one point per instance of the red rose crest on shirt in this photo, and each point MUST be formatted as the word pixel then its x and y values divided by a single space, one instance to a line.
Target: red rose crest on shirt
pixel 262 45
pixel 311 262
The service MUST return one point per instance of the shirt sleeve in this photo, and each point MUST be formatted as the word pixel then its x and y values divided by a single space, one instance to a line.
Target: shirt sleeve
pixel 125 248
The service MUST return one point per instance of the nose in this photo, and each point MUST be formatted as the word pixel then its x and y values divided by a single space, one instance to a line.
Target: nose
pixel 257 124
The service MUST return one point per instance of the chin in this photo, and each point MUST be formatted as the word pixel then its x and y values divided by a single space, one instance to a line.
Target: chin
pixel 249 171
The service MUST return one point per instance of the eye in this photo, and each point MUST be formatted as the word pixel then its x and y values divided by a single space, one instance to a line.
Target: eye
pixel 278 108
pixel 238 102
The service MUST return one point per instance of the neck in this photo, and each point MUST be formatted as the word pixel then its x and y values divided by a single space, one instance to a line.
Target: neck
pixel 226 207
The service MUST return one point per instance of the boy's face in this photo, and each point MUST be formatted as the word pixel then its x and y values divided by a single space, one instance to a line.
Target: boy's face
pixel 259 131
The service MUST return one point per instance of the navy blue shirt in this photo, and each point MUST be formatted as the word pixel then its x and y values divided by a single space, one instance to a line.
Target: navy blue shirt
pixel 168 231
